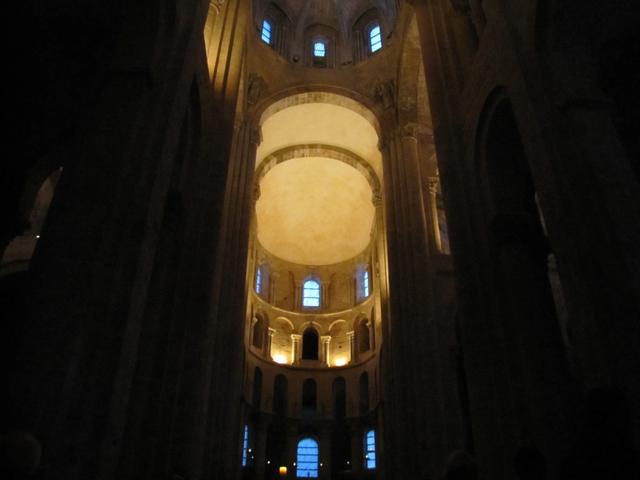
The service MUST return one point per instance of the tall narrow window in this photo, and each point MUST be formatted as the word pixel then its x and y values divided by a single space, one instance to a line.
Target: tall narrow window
pixel 311 294
pixel 319 49
pixel 307 458
pixel 375 38
pixel 266 32
pixel 365 283
pixel 259 280
pixel 370 450
pixel 245 445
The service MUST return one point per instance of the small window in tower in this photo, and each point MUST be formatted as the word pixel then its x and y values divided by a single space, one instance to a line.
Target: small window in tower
pixel 307 458
pixel 266 32
pixel 245 445
pixel 375 38
pixel 311 294
pixel 370 450
pixel 319 49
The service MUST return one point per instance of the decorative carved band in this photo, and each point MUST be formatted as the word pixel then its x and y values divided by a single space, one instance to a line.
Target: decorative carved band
pixel 324 151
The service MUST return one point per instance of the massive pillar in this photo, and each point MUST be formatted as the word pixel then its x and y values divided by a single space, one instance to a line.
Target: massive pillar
pixel 123 223
pixel 412 405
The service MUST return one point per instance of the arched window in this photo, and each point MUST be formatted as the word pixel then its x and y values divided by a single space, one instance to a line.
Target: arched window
pixel 311 294
pixel 375 38
pixel 307 458
pixel 319 49
pixel 245 445
pixel 370 450
pixel 363 285
pixel 266 32
pixel 310 344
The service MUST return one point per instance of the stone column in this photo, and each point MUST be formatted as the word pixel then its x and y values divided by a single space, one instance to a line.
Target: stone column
pixel 353 351
pixel 413 395
pixel 324 295
pixel 325 341
pixel 296 350
pixel 433 204
pixel 267 351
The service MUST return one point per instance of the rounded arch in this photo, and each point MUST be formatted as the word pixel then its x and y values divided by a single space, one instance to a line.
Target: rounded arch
pixel 337 325
pixel 315 93
pixel 286 324
pixel 319 150
pixel 501 164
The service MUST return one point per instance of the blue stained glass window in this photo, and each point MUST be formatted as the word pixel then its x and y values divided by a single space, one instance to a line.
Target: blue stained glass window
pixel 266 32
pixel 259 280
pixel 370 449
pixel 365 284
pixel 375 38
pixel 245 445
pixel 307 458
pixel 311 294
pixel 319 49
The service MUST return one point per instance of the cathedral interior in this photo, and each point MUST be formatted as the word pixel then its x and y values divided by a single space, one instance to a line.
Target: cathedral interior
pixel 330 239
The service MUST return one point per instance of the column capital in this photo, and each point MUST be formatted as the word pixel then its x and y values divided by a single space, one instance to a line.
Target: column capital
pixel 325 338
pixel 433 183
pixel 296 337
pixel 351 334
pixel 272 331
pixel 410 130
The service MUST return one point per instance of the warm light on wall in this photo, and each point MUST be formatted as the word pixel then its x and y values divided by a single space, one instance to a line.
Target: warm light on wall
pixel 279 358
pixel 340 361
pixel 282 471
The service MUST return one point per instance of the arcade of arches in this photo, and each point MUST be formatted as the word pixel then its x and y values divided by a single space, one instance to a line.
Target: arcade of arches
pixel 365 239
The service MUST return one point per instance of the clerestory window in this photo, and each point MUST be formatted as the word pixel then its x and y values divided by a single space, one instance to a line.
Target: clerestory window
pixel 375 38
pixel 245 445
pixel 311 294
pixel 370 450
pixel 259 280
pixel 319 49
pixel 266 32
